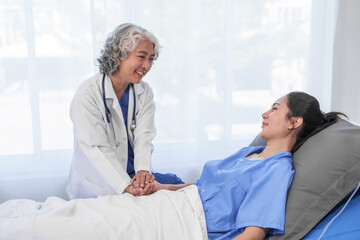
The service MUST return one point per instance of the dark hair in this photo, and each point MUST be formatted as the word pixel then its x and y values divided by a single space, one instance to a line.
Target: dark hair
pixel 303 105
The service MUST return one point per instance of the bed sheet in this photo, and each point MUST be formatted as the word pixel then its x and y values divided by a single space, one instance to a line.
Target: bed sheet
pixel 162 215
pixel 345 226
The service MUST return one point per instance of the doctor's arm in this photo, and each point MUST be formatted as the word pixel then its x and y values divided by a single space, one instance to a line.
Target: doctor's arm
pixel 143 136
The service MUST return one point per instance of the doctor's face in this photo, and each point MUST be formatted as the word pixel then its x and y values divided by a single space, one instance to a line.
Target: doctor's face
pixel 137 63
pixel 276 123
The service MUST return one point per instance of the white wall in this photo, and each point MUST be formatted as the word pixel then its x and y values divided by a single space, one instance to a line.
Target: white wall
pixel 37 189
pixel 346 61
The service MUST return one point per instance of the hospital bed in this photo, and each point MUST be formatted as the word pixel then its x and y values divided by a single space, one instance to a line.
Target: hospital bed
pixel 327 173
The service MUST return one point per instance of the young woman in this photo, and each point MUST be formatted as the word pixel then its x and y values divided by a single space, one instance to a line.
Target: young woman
pixel 244 195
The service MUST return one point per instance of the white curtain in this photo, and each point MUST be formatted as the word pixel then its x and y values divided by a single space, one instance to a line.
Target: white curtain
pixel 346 62
pixel 334 73
pixel 221 65
pixel 322 33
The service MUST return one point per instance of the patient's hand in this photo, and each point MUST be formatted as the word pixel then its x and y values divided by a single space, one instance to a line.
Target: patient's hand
pixel 143 183
pixel 133 190
pixel 139 191
pixel 142 179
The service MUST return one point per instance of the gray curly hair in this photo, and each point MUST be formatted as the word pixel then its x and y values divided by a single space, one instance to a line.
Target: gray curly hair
pixel 125 38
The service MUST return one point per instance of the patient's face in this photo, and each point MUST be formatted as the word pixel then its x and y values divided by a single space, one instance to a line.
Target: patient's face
pixel 276 123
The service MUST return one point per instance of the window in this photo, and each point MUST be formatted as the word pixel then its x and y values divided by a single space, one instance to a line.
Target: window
pixel 221 65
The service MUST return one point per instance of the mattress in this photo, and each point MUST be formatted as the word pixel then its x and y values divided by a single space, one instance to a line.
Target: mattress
pixel 345 226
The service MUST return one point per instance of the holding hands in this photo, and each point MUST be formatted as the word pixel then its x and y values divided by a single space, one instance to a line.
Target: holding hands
pixel 143 183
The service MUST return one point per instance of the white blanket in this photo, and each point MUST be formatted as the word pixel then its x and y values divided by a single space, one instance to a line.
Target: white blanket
pixel 162 215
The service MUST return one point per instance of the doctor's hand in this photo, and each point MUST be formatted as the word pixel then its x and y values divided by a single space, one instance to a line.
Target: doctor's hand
pixel 148 189
pixel 142 179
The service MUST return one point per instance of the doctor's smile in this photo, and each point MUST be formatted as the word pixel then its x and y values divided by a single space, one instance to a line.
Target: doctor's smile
pixel 136 65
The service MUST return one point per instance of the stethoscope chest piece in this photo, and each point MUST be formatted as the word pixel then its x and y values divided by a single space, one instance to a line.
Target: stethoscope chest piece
pixel 133 125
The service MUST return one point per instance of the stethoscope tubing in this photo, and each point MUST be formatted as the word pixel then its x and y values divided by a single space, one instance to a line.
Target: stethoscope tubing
pixel 108 113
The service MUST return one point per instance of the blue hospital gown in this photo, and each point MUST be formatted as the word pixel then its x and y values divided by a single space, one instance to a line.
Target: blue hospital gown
pixel 237 192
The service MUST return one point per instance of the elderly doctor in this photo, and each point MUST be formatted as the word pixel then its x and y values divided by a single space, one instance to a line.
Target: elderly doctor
pixel 113 118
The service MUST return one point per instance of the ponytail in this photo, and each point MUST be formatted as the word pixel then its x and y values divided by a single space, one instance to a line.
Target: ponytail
pixel 306 106
pixel 328 120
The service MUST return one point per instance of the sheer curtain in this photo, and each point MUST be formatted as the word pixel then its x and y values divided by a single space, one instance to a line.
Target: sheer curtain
pixel 335 56
pixel 221 65
pixel 322 34
pixel 346 71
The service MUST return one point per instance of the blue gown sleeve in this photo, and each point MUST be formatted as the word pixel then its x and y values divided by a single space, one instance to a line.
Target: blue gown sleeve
pixel 265 201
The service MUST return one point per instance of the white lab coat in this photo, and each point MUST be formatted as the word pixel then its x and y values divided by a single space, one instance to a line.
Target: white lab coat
pixel 98 168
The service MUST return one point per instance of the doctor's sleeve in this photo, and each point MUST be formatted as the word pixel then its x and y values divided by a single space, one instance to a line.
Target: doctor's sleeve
pixel 145 131
pixel 265 201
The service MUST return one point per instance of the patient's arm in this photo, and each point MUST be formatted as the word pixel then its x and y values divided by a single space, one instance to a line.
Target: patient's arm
pixel 252 233
pixel 172 187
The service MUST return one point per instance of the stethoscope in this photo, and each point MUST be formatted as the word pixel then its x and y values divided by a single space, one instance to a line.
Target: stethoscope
pixel 108 113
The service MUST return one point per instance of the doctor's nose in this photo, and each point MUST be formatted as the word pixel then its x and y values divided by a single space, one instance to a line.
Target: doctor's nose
pixel 147 64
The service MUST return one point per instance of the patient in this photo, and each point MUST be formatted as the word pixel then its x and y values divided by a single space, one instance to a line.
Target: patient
pixel 240 197
pixel 244 195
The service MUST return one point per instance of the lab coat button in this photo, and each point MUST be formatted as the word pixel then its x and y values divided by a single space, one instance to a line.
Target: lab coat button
pixel 124 138
pixel 118 143
pixel 123 160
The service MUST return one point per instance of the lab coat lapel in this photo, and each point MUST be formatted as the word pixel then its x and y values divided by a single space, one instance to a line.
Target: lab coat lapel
pixel 115 109
pixel 138 91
